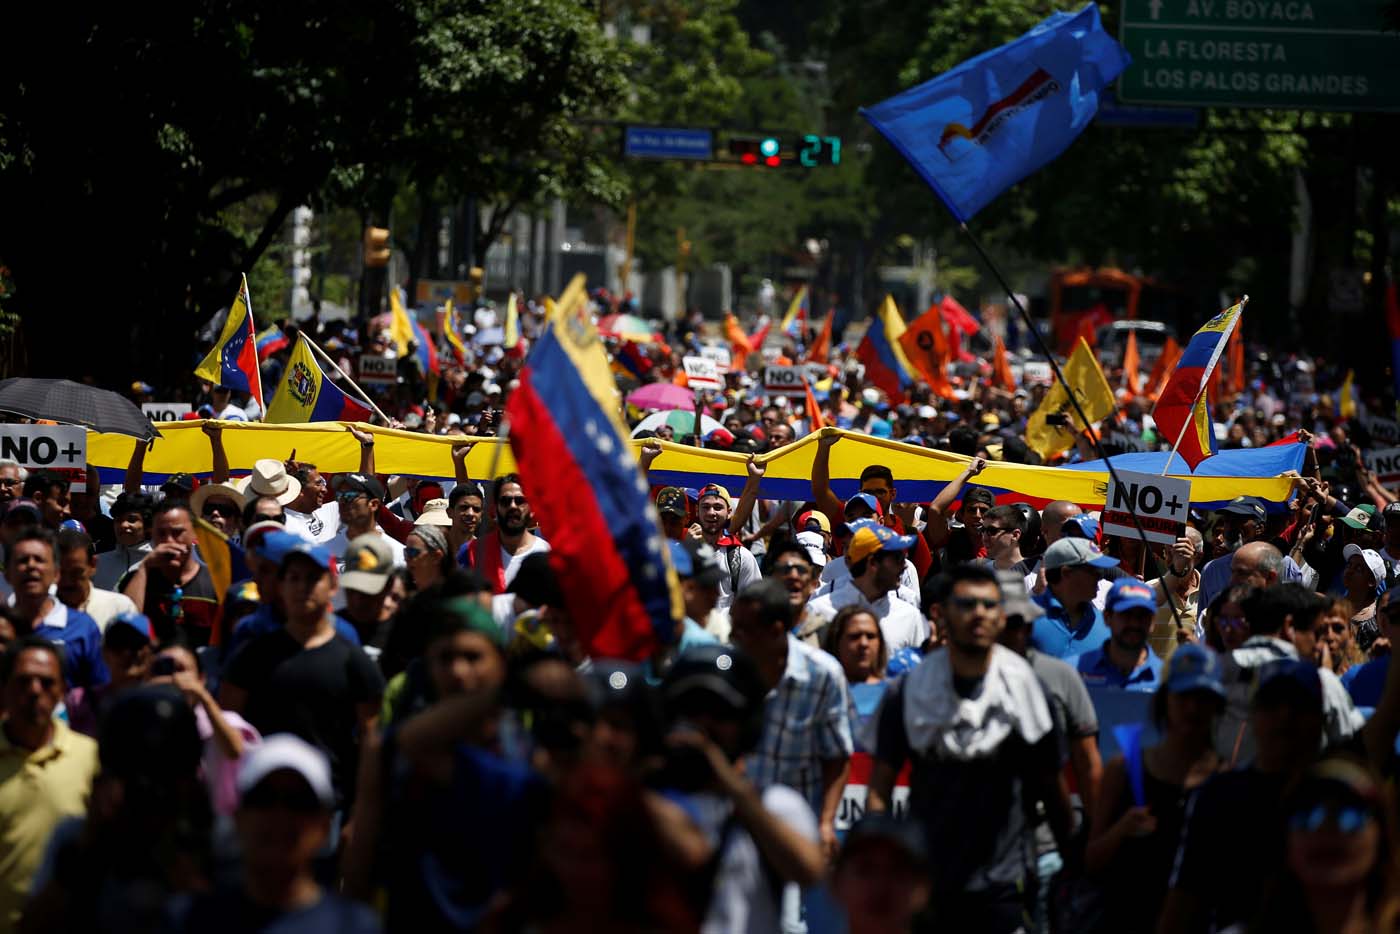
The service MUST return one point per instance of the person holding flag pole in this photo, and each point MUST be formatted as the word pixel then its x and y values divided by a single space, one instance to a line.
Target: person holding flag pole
pixel 990 122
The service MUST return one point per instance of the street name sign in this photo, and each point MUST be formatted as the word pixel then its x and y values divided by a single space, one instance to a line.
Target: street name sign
pixel 1301 54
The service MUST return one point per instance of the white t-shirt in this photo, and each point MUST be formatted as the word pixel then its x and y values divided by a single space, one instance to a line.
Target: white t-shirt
pixel 900 623
pixel 744 901
pixel 104 605
pixel 511 563
pixel 748 573
pixel 837 571
pixel 320 526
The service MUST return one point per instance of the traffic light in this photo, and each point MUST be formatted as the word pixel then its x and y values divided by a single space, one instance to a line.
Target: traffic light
pixel 744 149
pixel 376 247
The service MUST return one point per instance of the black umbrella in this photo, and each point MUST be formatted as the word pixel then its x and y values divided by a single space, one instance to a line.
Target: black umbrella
pixel 71 403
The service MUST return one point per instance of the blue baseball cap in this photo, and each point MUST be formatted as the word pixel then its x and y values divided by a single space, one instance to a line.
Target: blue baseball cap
pixel 1129 593
pixel 868 500
pixel 1081 527
pixel 128 623
pixel 1195 668
pixel 320 554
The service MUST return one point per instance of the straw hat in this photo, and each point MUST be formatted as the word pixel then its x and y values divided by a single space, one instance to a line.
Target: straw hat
pixel 208 490
pixel 270 478
pixel 434 513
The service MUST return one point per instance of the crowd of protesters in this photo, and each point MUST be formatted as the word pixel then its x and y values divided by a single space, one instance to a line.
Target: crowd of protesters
pixel 876 715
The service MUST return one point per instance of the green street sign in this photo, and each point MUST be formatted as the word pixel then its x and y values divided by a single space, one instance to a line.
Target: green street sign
pixel 1299 54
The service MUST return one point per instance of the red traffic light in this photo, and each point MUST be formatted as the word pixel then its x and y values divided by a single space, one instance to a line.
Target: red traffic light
pixel 773 161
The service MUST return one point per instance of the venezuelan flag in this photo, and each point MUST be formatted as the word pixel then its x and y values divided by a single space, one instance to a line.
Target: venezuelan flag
pixel 795 321
pixel 454 334
pixel 1181 411
pixel 271 341
pixel 588 492
pixel 426 355
pixel 233 360
pixel 308 395
pixel 885 363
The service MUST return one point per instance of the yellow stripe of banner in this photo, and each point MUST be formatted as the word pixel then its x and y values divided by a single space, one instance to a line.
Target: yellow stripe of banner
pixel 183 446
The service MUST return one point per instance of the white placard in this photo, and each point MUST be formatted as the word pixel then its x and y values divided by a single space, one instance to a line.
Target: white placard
pixel 1036 372
pixel 378 370
pixel 166 411
pixel 59 448
pixel 1161 504
pixel 784 381
pixel 720 355
pixel 1385 464
pixel 702 373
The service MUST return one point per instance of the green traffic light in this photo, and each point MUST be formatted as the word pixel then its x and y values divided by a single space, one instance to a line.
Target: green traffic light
pixel 769 147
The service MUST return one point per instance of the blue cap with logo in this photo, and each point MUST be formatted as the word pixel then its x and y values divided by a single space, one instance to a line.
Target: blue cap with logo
pixel 1129 593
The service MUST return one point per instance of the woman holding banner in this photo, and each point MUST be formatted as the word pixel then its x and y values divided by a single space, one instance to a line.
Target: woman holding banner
pixel 1141 806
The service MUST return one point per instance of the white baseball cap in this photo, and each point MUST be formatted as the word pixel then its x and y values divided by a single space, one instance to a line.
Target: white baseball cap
pixel 1373 561
pixel 285 751
pixel 815 545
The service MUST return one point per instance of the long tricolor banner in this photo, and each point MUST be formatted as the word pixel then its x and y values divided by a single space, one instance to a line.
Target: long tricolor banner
pixel 920 473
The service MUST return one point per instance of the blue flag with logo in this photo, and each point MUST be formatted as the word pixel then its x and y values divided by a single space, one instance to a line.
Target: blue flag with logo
pixel 980 128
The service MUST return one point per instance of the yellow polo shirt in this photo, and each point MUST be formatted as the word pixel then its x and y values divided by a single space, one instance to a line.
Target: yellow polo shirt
pixel 37 790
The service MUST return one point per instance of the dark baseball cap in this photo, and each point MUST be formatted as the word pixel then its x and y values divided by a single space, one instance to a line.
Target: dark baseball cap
pixel 670 500
pixel 1251 507
pixel 1289 681
pixel 1391 511
pixel 978 494
pixel 359 483
pixel 23 510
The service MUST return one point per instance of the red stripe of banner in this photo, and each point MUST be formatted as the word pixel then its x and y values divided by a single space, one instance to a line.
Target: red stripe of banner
pixel 607 613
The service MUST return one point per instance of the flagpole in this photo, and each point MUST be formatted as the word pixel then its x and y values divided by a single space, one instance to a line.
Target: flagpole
pixel 1205 383
pixel 343 375
pixel 1074 401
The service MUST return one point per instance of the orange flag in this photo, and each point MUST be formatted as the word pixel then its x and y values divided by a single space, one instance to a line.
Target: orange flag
pixel 1162 370
pixel 1235 358
pixel 926 346
pixel 813 412
pixel 1001 367
pixel 739 345
pixel 1132 365
pixel 817 353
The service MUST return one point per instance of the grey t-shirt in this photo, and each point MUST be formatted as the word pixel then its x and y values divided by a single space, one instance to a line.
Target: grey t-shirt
pixel 1073 712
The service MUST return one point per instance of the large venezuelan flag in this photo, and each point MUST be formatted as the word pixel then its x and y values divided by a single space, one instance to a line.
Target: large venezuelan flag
pixel 308 395
pixel 452 329
pixel 885 363
pixel 585 486
pixel 1183 401
pixel 233 360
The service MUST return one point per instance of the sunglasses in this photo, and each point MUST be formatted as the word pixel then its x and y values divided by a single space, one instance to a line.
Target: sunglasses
pixel 1231 622
pixel 266 798
pixel 10 481
pixel 972 603
pixel 801 569
pixel 992 530
pixel 1348 819
pixel 511 500
pixel 227 510
pixel 349 496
